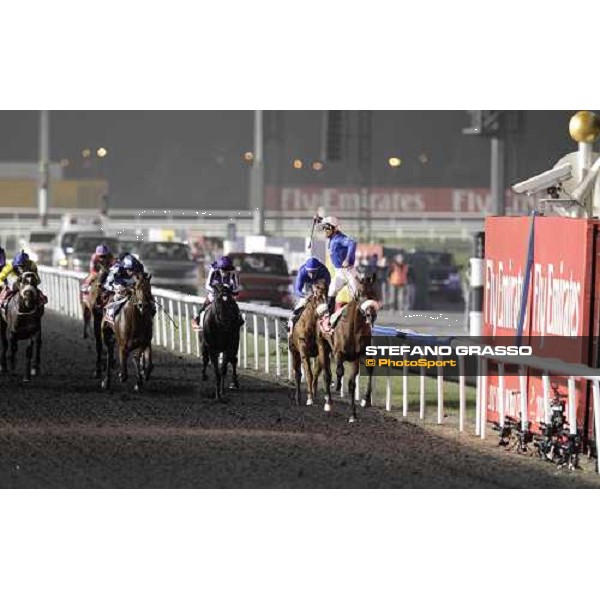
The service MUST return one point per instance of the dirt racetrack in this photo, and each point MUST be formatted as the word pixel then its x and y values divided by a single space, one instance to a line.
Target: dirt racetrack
pixel 62 431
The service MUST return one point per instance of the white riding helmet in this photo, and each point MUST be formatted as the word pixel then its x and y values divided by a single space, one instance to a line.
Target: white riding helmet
pixel 331 221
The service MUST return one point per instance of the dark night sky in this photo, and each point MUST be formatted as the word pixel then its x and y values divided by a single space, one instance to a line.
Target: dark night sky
pixel 192 159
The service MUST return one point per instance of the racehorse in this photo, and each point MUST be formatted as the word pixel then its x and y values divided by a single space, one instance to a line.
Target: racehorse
pixel 22 320
pixel 92 304
pixel 132 332
pixel 351 336
pixel 307 342
pixel 221 335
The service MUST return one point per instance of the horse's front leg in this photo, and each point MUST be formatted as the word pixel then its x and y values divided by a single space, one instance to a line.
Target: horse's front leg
pixel 366 401
pixel 98 337
pixel 223 373
pixel 138 359
pixel 86 320
pixel 149 365
pixel 109 342
pixel 352 389
pixel 297 366
pixel 28 355
pixel 325 364
pixel 339 374
pixel 235 382
pixel 308 374
pixel 12 356
pixel 205 361
pixel 123 358
pixel 36 370
pixel 214 359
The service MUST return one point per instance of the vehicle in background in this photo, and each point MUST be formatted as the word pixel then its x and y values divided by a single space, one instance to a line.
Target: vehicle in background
pixel 130 245
pixel 440 270
pixel 171 266
pixel 72 225
pixel 84 246
pixel 40 246
pixel 264 278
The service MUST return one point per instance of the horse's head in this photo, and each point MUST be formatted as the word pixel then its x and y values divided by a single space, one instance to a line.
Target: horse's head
pixel 224 302
pixel 367 297
pixel 28 292
pixel 142 292
pixel 319 291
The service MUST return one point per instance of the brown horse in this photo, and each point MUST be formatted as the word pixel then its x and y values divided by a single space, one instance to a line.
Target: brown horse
pixel 132 332
pixel 23 321
pixel 307 342
pixel 92 304
pixel 351 336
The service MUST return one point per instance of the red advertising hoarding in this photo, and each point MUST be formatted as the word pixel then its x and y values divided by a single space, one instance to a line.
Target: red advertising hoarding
pixel 384 201
pixel 558 311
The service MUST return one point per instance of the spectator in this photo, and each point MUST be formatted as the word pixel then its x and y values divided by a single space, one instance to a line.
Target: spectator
pixel 398 280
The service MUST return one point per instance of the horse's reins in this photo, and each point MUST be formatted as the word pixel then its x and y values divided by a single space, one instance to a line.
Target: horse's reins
pixel 165 312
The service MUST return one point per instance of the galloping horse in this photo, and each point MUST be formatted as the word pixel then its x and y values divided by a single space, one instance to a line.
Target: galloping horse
pixel 132 332
pixel 23 321
pixel 307 342
pixel 221 334
pixel 351 336
pixel 92 304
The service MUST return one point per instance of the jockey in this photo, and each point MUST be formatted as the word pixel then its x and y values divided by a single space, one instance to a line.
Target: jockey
pixel 101 260
pixel 121 277
pixel 342 251
pixel 21 263
pixel 221 272
pixel 310 272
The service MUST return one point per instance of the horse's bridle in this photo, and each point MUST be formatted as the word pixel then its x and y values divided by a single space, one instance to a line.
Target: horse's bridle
pixel 223 294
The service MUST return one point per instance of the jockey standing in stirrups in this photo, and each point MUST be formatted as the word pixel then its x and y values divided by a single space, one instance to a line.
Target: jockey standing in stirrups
pixel 310 272
pixel 21 264
pixel 101 260
pixel 221 272
pixel 341 252
pixel 120 278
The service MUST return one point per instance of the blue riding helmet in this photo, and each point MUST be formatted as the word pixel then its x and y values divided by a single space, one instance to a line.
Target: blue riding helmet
pixel 313 264
pixel 20 259
pixel 102 250
pixel 130 263
pixel 225 264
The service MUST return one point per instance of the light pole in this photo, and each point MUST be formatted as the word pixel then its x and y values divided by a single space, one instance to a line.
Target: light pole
pixel 44 167
pixel 257 193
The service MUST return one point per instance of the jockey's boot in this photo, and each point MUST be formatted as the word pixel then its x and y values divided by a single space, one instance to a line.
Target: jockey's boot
pixel 198 318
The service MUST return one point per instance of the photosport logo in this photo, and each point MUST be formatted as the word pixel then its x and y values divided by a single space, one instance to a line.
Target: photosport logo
pixel 393 356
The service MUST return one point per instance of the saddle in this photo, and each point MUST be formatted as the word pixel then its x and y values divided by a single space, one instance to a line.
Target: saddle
pixel 328 322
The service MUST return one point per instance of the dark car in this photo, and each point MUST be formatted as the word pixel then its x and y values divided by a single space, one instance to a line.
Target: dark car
pixel 171 265
pixel 443 275
pixel 84 245
pixel 264 278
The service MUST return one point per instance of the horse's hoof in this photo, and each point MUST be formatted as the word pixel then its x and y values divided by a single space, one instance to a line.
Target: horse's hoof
pixel 137 388
pixel 104 384
pixel 352 420
pixel 365 403
pixel 234 386
pixel 309 402
pixel 327 407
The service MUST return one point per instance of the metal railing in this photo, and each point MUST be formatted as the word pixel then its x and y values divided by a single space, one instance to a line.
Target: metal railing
pixel 263 347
